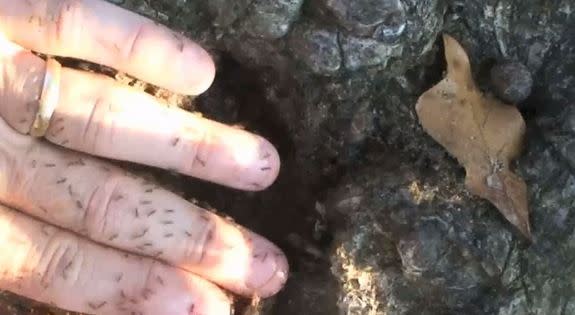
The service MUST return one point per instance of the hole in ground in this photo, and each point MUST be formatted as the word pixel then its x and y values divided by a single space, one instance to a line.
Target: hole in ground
pixel 286 212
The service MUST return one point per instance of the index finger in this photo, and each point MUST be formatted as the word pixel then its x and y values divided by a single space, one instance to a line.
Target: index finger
pixel 99 32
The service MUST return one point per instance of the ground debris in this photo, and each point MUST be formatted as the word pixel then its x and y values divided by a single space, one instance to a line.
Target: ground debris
pixel 484 135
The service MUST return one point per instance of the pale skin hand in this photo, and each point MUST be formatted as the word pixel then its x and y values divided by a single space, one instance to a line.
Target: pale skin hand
pixel 86 236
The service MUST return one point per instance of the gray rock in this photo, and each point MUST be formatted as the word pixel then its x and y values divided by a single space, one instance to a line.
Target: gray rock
pixel 398 221
pixel 316 48
pixel 522 30
pixel 384 223
pixel 376 33
pixel 270 19
pixel 516 304
pixel 116 1
pixel 383 19
pixel 511 82
pixel 226 12
pixel 557 119
pixel 364 52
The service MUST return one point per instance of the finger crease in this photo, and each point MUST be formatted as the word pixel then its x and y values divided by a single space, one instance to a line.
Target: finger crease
pixel 197 147
pixel 204 243
pixel 90 123
pixel 134 42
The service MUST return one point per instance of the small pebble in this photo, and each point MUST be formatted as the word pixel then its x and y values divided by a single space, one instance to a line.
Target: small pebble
pixel 511 82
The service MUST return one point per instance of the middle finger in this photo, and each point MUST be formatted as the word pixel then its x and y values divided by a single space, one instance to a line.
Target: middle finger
pixel 112 207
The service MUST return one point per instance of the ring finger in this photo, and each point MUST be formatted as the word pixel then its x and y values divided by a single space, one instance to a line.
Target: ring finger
pixel 99 116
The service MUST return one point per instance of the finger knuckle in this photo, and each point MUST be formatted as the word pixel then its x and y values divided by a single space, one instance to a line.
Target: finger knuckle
pixel 196 150
pixel 19 174
pixel 60 261
pixel 201 242
pixel 99 209
pixel 91 132
pixel 152 271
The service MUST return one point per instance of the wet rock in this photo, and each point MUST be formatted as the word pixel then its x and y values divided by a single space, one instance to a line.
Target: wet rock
pixel 385 20
pixel 317 48
pixel 387 34
pixel 362 124
pixel 226 12
pixel 410 266
pixel 511 82
pixel 271 19
pixel 556 101
pixel 364 52
pixel 506 29
pixel 116 1
pixel 515 305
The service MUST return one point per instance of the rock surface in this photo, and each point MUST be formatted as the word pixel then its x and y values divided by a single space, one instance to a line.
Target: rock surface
pixel 511 82
pixel 373 213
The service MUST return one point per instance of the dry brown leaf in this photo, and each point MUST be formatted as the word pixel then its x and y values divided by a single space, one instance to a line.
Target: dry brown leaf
pixel 484 135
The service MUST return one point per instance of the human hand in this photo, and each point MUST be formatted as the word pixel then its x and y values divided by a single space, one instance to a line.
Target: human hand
pixel 83 234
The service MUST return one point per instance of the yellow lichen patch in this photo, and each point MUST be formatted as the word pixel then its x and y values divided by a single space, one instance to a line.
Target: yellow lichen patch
pixel 421 193
pixel 361 285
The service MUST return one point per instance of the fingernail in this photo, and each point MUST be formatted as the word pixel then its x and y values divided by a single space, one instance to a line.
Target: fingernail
pixel 200 69
pixel 269 269
pixel 265 169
